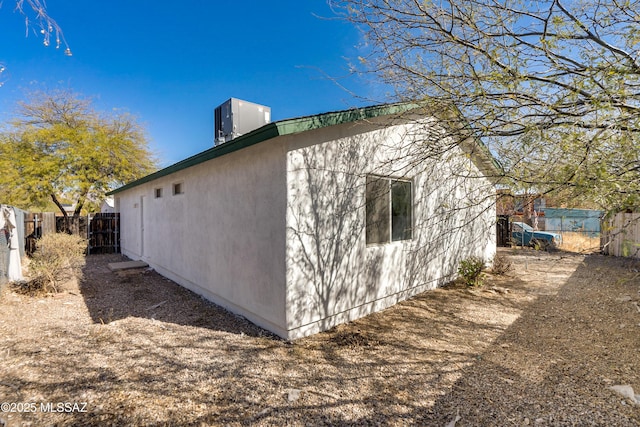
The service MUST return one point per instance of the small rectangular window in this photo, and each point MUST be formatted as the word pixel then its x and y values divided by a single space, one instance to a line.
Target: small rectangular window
pixel 158 193
pixel 389 210
pixel 177 188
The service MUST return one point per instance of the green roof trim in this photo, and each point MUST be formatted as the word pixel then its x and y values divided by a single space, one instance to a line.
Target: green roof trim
pixel 307 123
pixel 272 130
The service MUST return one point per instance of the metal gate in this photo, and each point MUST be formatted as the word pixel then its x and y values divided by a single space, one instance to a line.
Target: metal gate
pixel 503 230
pixel 104 233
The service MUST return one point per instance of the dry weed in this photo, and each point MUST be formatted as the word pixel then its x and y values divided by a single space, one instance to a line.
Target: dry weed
pixel 579 242
pixel 501 265
pixel 58 258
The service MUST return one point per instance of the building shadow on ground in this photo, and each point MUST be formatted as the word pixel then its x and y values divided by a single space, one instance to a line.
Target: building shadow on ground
pixel 556 363
pixel 141 292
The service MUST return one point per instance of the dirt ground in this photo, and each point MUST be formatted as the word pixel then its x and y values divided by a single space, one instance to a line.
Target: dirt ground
pixel 541 347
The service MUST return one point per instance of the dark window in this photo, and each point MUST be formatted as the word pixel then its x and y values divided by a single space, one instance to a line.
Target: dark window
pixel 377 210
pixel 158 193
pixel 388 210
pixel 177 188
pixel 401 210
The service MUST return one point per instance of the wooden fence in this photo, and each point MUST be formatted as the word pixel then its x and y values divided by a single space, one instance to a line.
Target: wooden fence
pixel 621 235
pixel 37 225
pixel 102 230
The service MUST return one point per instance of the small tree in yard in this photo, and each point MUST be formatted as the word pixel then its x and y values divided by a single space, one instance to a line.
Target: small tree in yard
pixel 60 148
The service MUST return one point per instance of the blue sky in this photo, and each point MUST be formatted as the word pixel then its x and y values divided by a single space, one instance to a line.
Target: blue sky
pixel 171 63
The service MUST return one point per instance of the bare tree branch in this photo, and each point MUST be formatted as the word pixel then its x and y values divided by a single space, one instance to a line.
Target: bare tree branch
pixel 552 87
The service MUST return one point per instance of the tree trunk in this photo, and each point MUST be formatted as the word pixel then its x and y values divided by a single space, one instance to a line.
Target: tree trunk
pixel 65 227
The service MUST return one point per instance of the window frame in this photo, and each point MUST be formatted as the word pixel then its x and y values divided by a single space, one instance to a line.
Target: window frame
pixel 158 193
pixel 388 234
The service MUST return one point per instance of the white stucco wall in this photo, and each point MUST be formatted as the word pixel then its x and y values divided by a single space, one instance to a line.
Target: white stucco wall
pixel 333 276
pixel 224 237
pixel 275 232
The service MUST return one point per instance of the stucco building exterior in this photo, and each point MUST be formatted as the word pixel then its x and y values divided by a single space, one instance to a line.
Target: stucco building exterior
pixel 306 223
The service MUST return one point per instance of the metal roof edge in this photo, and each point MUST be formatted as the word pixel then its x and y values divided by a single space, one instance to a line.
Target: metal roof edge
pixel 263 133
pixel 272 130
pixel 318 121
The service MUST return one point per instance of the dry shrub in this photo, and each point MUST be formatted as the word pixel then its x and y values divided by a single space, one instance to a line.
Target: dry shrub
pixel 58 258
pixel 501 265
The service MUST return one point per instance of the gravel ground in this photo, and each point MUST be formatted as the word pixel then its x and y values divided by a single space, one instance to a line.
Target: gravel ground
pixel 541 347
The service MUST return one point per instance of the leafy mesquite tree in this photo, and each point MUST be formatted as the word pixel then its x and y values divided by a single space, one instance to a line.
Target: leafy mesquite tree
pixel 552 86
pixel 59 148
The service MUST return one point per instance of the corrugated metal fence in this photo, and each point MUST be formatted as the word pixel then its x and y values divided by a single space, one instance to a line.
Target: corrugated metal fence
pixel 561 220
pixel 621 235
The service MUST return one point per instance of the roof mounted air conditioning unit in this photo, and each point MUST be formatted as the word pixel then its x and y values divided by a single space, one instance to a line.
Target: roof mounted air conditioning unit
pixel 236 117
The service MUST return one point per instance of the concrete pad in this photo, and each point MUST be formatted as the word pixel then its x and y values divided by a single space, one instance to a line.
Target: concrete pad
pixel 127 265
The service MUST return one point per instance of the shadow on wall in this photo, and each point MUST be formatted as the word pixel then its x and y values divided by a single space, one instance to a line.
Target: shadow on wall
pixel 455 222
pixel 331 269
pixel 326 273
